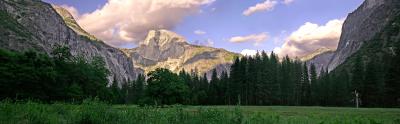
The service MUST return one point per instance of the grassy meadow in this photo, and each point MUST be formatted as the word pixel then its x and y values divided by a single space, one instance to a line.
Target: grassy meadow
pixel 100 113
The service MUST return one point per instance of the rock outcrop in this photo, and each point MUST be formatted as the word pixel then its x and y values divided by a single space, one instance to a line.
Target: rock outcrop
pixel 166 49
pixel 361 26
pixel 320 58
pixel 37 25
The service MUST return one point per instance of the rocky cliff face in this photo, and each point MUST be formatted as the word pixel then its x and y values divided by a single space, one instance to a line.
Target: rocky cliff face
pixel 37 25
pixel 166 49
pixel 320 58
pixel 361 26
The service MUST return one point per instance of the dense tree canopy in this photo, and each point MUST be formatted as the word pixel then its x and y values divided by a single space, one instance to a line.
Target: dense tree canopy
pixel 62 77
pixel 166 87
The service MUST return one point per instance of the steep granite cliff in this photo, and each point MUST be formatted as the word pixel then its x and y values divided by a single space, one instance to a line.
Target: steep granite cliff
pixel 32 24
pixel 362 25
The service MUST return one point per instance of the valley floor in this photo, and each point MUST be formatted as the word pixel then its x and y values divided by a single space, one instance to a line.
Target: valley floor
pixel 99 113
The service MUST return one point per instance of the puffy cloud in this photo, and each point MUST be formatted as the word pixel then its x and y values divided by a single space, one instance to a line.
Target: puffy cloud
pixel 257 38
pixel 287 2
pixel 199 32
pixel 310 37
pixel 267 5
pixel 121 22
pixel 248 52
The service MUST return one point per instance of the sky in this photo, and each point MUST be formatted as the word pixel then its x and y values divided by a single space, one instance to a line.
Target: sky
pixel 287 27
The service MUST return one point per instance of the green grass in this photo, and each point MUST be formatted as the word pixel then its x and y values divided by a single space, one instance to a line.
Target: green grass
pixel 99 113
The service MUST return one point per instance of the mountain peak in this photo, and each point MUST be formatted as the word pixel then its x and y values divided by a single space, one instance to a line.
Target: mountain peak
pixel 71 22
pixel 162 37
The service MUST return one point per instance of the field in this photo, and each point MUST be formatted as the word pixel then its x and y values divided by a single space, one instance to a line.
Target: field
pixel 99 113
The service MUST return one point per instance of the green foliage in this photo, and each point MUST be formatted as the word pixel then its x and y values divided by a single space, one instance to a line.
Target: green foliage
pixel 392 82
pixel 165 87
pixel 117 93
pixel 305 87
pixel 33 75
pixel 136 90
pixel 253 80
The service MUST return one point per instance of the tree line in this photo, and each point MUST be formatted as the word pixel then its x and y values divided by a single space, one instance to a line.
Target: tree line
pixel 59 77
pixel 253 80
pixel 267 80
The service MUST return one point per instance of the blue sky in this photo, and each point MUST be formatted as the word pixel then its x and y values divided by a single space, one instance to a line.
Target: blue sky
pixel 220 20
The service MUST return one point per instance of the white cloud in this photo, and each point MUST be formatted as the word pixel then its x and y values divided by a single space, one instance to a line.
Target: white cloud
pixel 121 22
pixel 287 2
pixel 309 37
pixel 199 32
pixel 277 50
pixel 267 5
pixel 248 52
pixel 256 38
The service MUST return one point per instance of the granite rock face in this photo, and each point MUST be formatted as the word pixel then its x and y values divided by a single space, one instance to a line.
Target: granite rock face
pixel 166 49
pixel 320 58
pixel 361 26
pixel 45 29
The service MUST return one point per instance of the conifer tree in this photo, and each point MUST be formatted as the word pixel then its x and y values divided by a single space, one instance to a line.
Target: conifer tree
pixel 370 90
pixel 314 84
pixel 213 88
pixel 305 86
pixel 392 81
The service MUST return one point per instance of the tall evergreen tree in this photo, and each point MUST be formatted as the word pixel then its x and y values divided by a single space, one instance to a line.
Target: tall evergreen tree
pixel 213 88
pixel 275 85
pixel 314 84
pixel 340 89
pixel 285 81
pixel 235 84
pixel 357 74
pixel 139 88
pixel 305 87
pixel 392 81
pixel 116 92
pixel 224 85
pixel 370 90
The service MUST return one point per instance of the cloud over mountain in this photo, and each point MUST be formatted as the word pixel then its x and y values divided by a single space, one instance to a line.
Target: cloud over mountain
pixel 310 37
pixel 121 22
